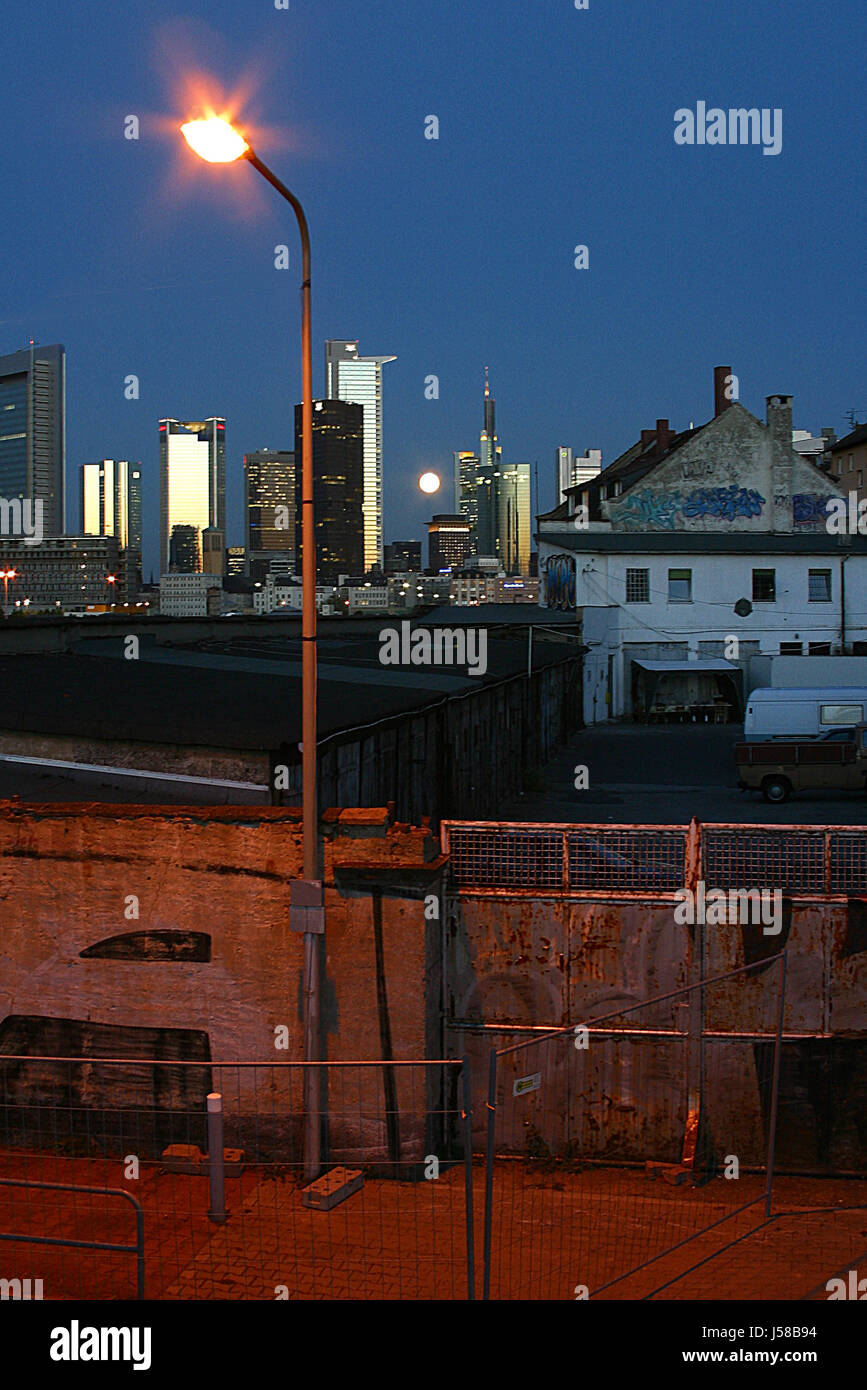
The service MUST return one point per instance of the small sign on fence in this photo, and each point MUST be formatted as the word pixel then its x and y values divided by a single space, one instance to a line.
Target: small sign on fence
pixel 523 1084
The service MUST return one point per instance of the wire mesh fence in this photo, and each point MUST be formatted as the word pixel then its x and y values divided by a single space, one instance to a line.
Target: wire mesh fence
pixel 615 1143
pixel 217 1157
pixel 508 858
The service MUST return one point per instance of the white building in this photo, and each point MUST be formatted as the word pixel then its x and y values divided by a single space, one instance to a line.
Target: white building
pixel 702 549
pixel 349 377
pixel 279 591
pixel 190 595
pixel 572 469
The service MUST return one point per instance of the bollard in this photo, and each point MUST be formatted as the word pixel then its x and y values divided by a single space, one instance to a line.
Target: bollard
pixel 216 1174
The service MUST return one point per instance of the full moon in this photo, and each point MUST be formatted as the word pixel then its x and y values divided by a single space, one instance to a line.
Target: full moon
pixel 429 482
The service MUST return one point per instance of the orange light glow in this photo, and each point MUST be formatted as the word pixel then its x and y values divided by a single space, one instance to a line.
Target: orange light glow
pixel 215 140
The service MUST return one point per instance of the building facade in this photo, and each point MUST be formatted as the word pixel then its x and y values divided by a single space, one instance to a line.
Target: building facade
pixel 403 557
pixel 849 462
pixel 192 489
pixel 338 488
pixel 712 544
pixel 449 541
pixel 63 573
pixel 110 493
pixel 269 507
pixel 33 431
pixel 358 380
pixel 190 595
pixel 570 469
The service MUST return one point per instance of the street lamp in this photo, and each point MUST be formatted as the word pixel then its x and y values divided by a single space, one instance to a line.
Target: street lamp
pixel 217 142
pixel 111 580
pixel 6 575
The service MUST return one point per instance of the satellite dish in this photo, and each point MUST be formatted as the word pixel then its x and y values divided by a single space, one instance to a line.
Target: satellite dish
pixel 743 608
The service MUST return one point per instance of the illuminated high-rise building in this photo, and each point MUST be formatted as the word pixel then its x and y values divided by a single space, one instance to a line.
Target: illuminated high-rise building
pixel 465 464
pixel 349 377
pixel 111 506
pixel 338 488
pixel 33 431
pixel 192 489
pixel 512 542
pixel 269 508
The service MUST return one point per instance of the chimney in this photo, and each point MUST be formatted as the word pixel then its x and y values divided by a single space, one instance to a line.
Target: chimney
pixel 779 417
pixel 646 438
pixel 663 436
pixel 721 380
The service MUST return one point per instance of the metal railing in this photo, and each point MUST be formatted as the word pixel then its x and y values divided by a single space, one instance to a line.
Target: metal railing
pixel 502 858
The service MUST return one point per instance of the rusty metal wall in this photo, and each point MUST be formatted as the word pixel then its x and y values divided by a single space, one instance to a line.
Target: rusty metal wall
pixel 521 960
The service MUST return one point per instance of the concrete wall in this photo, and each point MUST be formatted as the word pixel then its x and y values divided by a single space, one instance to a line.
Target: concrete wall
pixel 66 874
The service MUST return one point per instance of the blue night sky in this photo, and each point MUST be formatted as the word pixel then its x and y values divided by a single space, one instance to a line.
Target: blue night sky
pixel 556 128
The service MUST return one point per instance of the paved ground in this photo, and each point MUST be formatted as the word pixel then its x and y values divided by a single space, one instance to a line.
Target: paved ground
pixel 402 1240
pixel 658 773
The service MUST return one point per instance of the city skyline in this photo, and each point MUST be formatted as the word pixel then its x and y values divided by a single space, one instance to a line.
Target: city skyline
pixel 696 255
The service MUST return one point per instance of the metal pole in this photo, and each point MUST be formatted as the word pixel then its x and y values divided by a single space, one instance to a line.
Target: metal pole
pixel 308 686
pixel 467 1116
pixel 489 1175
pixel 775 1088
pixel 216 1173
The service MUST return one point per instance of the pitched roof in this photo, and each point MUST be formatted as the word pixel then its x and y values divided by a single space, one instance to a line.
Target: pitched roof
pixel 858 436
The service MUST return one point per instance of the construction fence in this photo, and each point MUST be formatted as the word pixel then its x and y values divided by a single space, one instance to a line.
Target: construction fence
pixel 630 1155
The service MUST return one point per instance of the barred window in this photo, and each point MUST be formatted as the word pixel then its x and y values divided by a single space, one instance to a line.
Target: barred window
pixel 819 586
pixel 638 586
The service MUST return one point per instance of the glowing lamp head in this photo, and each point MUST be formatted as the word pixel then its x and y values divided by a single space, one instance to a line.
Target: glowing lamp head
pixel 214 140
pixel 429 482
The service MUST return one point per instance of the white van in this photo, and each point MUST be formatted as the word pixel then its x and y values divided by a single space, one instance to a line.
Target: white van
pixel 803 712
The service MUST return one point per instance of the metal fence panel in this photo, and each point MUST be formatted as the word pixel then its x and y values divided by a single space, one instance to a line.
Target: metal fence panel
pixel 395 1150
pixel 615 1143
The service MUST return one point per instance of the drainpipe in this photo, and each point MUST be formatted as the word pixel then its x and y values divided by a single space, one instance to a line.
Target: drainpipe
pixel 843 605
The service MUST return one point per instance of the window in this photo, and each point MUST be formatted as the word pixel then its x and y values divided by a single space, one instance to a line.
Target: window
pixel 819 648
pixel 819 586
pixel 791 649
pixel 638 586
pixel 680 586
pixel 841 714
pixel 764 586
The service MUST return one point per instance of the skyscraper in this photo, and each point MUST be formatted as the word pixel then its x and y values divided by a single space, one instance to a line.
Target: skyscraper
pixel 338 487
pixel 192 488
pixel 449 541
pixel 495 497
pixel 349 377
pixel 466 463
pixel 111 506
pixel 513 517
pixel 33 430
pixel 269 508
pixel 571 469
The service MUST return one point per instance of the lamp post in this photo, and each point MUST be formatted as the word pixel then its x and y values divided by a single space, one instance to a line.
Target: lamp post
pixel 111 580
pixel 217 142
pixel 6 575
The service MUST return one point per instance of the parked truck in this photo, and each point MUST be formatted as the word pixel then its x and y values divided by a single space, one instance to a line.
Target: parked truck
pixel 778 768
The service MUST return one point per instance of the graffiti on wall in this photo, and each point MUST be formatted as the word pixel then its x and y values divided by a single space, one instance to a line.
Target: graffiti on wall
pixel 662 511
pixel 560 582
pixel 810 508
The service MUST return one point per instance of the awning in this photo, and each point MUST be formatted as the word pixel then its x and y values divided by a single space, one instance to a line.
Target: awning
pixel 702 664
